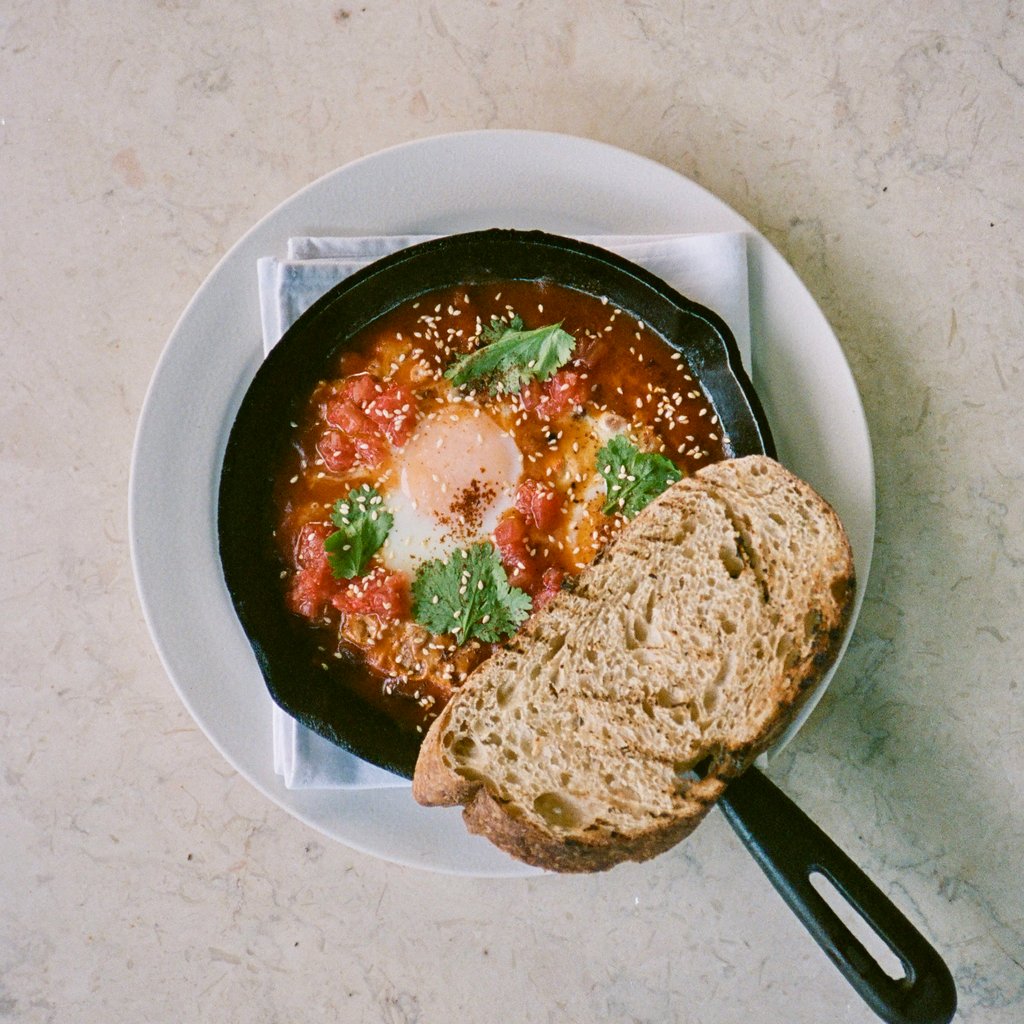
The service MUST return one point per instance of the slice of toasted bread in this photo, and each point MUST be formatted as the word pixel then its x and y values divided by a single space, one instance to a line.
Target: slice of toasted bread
pixel 610 724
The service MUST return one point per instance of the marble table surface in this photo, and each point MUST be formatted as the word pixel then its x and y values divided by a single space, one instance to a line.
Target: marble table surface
pixel 878 146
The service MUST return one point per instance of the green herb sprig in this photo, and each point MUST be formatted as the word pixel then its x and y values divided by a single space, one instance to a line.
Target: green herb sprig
pixel 469 595
pixel 633 478
pixel 363 524
pixel 510 357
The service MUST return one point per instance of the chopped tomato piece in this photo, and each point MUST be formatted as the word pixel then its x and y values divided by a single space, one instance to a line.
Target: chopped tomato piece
pixel 551 584
pixel 371 449
pixel 341 452
pixel 305 595
pixel 313 585
pixel 394 412
pixel 347 416
pixel 532 395
pixel 368 416
pixel 566 390
pixel 309 547
pixel 380 592
pixel 510 539
pixel 540 503
pixel 562 391
pixel 553 578
pixel 338 451
pixel 345 405
pixel 361 389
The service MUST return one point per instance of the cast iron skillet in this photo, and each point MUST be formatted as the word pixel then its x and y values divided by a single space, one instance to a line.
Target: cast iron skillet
pixel 282 643
pixel 788 845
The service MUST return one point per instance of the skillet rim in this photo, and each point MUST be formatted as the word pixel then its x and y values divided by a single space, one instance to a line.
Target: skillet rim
pixel 364 731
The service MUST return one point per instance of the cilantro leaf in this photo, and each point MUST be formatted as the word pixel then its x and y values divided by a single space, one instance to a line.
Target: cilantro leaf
pixel 469 595
pixel 497 328
pixel 363 525
pixel 510 357
pixel 633 478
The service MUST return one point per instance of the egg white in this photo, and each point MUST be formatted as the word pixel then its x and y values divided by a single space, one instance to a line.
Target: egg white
pixel 455 448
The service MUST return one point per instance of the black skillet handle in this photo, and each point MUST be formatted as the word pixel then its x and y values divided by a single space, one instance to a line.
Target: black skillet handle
pixel 790 847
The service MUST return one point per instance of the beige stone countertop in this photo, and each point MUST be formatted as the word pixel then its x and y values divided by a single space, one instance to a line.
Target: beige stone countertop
pixel 878 146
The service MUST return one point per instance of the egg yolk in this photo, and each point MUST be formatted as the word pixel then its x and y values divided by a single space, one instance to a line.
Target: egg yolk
pixel 461 468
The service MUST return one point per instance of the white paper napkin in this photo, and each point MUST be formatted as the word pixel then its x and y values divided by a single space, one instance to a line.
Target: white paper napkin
pixel 307 761
pixel 710 269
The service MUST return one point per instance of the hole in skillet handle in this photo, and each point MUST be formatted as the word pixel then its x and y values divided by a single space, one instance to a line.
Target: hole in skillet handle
pixel 862 931
pixel 791 850
pixel 283 646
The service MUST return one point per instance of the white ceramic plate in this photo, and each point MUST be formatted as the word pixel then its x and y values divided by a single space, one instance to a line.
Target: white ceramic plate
pixel 438 185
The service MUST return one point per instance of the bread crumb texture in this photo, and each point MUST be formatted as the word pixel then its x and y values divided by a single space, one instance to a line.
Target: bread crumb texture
pixel 611 723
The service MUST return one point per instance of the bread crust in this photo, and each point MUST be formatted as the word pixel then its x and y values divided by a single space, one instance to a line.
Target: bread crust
pixel 441 780
pixel 488 817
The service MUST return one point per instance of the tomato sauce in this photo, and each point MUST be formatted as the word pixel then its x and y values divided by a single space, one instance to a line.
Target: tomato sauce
pixel 388 387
